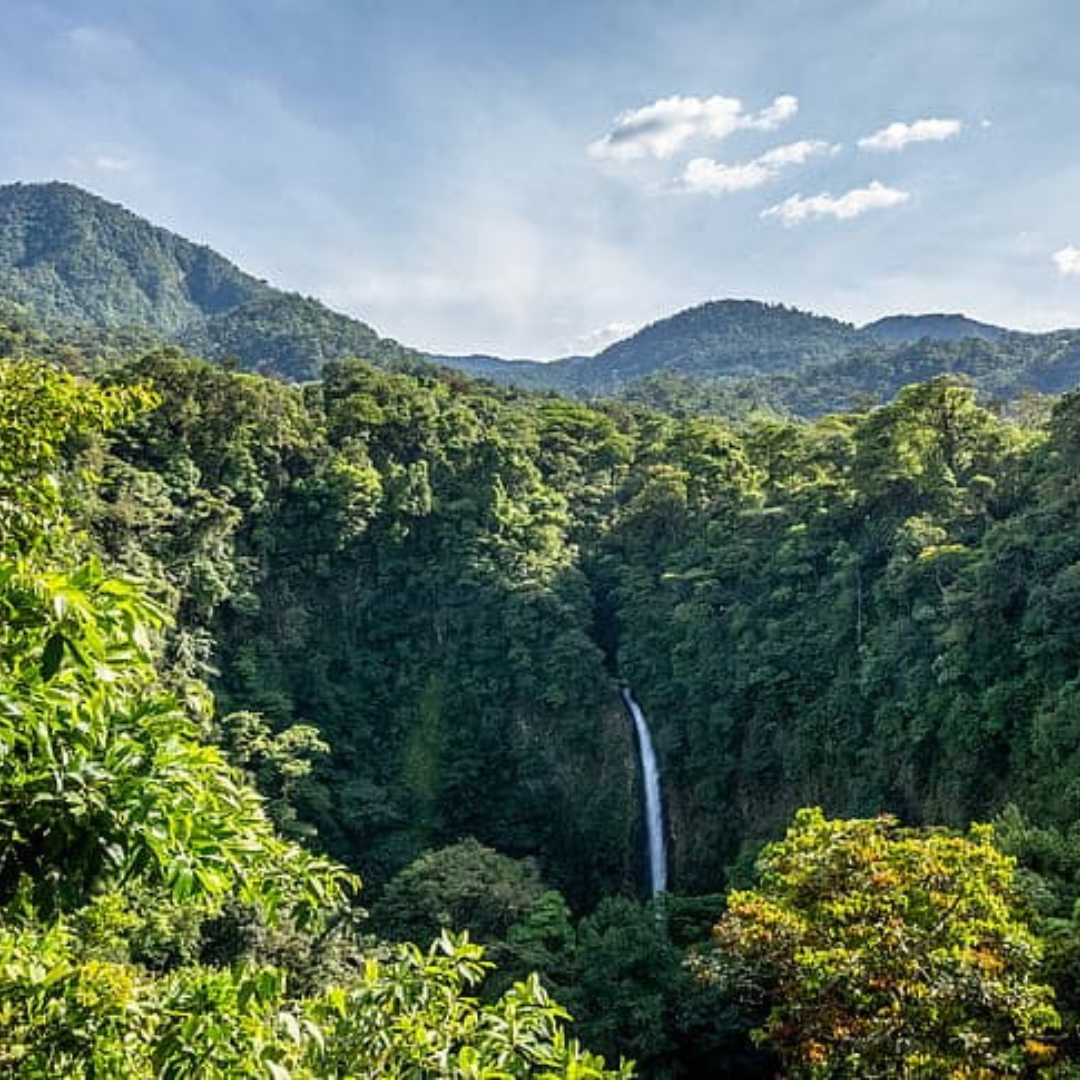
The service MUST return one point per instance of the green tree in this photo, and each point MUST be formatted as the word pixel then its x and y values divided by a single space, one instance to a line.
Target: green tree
pixel 889 951
pixel 627 981
pixel 465 886
pixel 45 417
pixel 406 1013
pixel 412 1015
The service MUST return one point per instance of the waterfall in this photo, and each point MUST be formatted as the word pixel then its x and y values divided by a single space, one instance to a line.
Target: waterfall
pixel 654 811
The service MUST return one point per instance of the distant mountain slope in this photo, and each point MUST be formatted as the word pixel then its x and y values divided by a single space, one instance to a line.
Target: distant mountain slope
pixel 75 259
pixel 740 356
pixel 96 275
pixel 898 328
pixel 735 339
pixel 722 338
pixel 1000 370
pixel 292 337
pixel 524 373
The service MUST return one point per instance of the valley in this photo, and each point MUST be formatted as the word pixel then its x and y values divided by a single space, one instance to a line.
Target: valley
pixel 835 564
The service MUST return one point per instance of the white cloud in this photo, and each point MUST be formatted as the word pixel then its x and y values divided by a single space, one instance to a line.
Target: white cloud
pixel 595 340
pixel 796 153
pixel 107 163
pixel 660 129
pixel 1067 260
pixel 708 177
pixel 95 163
pixel 897 136
pixel 796 209
pixel 705 176
pixel 779 112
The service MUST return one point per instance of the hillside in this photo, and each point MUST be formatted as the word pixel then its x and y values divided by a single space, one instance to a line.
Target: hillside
pixel 723 338
pixel 524 373
pixel 292 337
pixel 1001 371
pixel 93 275
pixel 953 327
pixel 735 357
pixel 412 594
pixel 719 339
pixel 76 260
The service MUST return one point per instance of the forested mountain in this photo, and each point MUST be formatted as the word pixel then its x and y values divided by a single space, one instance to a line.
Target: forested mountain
pixel 79 265
pixel 718 340
pixel 936 327
pixel 291 337
pixel 1006 373
pixel 723 338
pixel 735 358
pixel 530 374
pixel 75 261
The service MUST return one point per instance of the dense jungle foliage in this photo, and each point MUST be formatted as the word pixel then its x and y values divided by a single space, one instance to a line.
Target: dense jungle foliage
pixel 411 595
pixel 153 922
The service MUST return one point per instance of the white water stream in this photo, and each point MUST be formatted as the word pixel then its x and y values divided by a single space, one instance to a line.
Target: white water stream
pixel 654 811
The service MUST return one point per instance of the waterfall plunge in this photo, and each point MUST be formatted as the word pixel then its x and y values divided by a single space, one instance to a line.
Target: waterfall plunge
pixel 654 811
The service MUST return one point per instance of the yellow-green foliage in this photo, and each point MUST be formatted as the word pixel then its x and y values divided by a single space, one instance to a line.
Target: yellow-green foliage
pixel 889 951
pixel 406 1013
pixel 42 413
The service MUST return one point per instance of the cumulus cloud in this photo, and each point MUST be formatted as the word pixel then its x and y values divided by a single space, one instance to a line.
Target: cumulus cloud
pixel 797 209
pixel 897 136
pixel 660 129
pixel 706 176
pixel 796 153
pixel 779 112
pixel 1067 261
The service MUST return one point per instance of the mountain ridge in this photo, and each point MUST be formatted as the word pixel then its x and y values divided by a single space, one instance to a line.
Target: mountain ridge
pixel 937 326
pixel 77 260
pixel 105 263
pixel 738 357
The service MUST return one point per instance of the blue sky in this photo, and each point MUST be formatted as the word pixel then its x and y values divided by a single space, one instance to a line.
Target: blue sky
pixel 532 178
